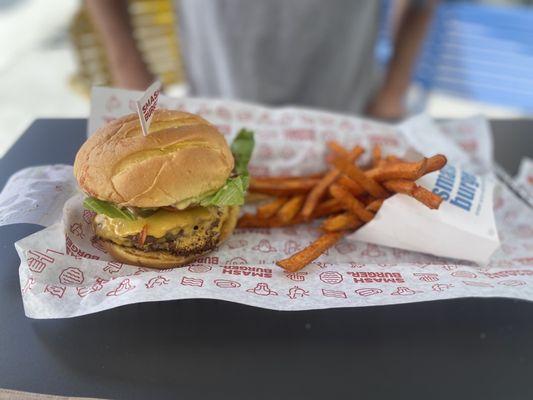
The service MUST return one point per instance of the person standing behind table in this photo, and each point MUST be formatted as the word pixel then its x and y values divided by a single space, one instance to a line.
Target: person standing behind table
pixel 306 52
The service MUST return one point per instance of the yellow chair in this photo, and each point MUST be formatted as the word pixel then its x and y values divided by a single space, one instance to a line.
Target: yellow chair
pixel 155 29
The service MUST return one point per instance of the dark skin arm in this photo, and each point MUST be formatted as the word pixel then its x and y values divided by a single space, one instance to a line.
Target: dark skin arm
pixel 110 18
pixel 411 29
pixel 111 21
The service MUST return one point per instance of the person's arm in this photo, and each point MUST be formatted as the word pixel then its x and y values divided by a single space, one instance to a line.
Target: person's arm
pixel 412 27
pixel 111 21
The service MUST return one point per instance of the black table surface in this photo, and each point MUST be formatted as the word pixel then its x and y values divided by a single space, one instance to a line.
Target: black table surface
pixel 202 349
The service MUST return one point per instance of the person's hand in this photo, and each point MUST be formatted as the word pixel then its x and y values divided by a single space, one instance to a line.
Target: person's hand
pixel 387 106
pixel 133 75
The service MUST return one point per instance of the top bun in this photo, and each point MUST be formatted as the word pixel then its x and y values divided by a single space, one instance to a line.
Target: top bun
pixel 183 157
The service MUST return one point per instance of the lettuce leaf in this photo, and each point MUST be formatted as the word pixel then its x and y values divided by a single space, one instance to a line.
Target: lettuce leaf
pixel 107 208
pixel 242 148
pixel 234 190
pixel 231 194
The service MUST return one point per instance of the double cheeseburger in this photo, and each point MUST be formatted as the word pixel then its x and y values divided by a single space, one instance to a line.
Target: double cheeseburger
pixel 163 199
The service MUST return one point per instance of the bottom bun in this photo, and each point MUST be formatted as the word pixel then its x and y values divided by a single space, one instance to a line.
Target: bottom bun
pixel 164 259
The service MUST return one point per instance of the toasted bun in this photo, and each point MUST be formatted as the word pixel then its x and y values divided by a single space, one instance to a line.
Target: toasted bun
pixel 163 259
pixel 183 157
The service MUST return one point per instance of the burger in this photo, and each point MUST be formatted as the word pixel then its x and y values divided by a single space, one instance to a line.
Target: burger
pixel 163 199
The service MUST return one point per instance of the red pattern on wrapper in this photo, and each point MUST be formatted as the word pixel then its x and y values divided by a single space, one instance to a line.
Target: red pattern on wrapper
pixel 331 277
pixel 185 281
pixel 226 284
pixel 71 276
pixel 416 271
pixel 298 276
pixel 30 282
pixel 157 281
pixel 404 291
pixel 297 292
pixel 123 287
pixel 38 261
pixel 199 269
pixel 55 290
pixel 441 287
pixel 427 277
pixel 366 292
pixel 97 286
pixel 262 289
pixel 264 246
pixel 113 267
pixel 339 294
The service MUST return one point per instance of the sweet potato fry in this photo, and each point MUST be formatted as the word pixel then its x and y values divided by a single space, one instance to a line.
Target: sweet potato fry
pixel 286 187
pixel 352 186
pixel 353 172
pixel 376 155
pixel 254 197
pixel 350 203
pixel 270 209
pixel 326 208
pixel 356 152
pixel 321 187
pixel 374 205
pixel 435 163
pixel 290 208
pixel 399 170
pixel 300 259
pixel 341 222
pixel 253 221
pixel 400 186
pixel 335 147
pixel 318 191
pixel 284 178
pixel 391 159
pixel 429 199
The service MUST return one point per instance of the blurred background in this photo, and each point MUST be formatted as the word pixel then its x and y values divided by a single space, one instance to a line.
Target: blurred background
pixel 476 57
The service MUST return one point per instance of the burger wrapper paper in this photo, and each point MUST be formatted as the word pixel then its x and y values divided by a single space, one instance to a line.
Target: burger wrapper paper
pixel 406 254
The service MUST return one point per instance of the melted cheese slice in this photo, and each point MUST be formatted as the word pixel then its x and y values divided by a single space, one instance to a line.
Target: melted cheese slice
pixel 157 225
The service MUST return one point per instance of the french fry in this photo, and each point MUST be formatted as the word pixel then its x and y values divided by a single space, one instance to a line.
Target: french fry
pixel 350 203
pixel 286 187
pixel 253 221
pixel 317 192
pixel 341 222
pixel 391 159
pixel 300 259
pixel 356 152
pixel 399 170
pixel 321 188
pixel 400 186
pixel 352 186
pixel 285 178
pixel 429 199
pixel 374 205
pixel 356 196
pixel 324 209
pixel 335 147
pixel 328 207
pixel 435 163
pixel 353 172
pixel 270 209
pixel 376 155
pixel 254 197
pixel 290 209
